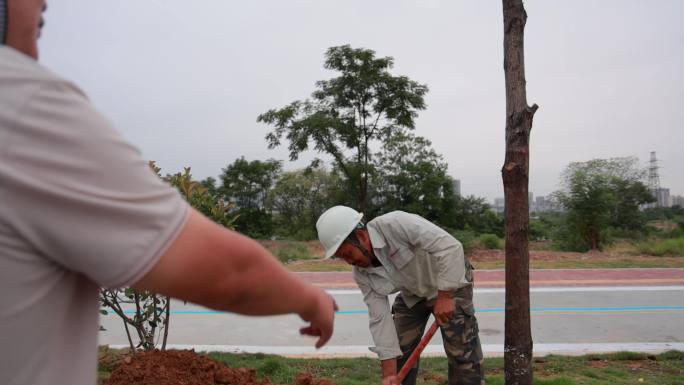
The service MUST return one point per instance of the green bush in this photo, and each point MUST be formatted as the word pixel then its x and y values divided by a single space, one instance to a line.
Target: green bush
pixel 677 233
pixel 612 233
pixel 538 230
pixel 680 221
pixel 304 234
pixel 672 246
pixel 292 251
pixel 467 239
pixel 491 241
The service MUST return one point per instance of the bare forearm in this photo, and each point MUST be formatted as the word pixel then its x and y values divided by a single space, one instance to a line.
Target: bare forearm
pixel 255 283
pixel 389 367
pixel 389 372
pixel 222 269
pixel 219 268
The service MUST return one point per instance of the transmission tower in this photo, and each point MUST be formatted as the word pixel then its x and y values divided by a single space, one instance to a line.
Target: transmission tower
pixel 654 179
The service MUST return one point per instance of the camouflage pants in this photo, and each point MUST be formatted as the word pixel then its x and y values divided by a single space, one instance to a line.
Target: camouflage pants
pixel 461 339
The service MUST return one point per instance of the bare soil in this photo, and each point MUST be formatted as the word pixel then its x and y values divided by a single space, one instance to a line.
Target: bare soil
pixel 185 367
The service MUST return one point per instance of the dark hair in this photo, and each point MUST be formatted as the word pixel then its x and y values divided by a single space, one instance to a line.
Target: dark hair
pixel 3 21
pixel 352 236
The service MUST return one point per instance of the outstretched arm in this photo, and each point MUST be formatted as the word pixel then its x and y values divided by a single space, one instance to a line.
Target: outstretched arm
pixel 219 268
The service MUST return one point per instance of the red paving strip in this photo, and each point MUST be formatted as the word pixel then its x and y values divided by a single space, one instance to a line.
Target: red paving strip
pixel 538 278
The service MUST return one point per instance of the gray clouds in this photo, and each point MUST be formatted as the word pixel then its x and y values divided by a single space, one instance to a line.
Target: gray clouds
pixel 185 81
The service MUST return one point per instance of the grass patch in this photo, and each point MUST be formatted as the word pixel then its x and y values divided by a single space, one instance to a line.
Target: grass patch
pixel 540 246
pixel 555 381
pixel 609 263
pixel 318 266
pixel 293 251
pixel 281 370
pixel 625 368
pixel 307 256
pixel 290 251
pixel 672 246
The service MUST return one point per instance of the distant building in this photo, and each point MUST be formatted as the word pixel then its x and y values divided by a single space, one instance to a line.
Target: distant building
pixel 499 205
pixel 457 187
pixel 663 197
pixel 539 204
pixel 677 200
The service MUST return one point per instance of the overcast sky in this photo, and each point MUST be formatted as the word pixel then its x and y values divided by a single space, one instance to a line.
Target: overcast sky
pixel 185 80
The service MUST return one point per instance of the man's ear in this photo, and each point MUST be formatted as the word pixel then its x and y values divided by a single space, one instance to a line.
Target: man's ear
pixel 362 236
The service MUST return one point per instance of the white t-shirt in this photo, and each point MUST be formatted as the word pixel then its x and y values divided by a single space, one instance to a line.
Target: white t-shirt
pixel 79 209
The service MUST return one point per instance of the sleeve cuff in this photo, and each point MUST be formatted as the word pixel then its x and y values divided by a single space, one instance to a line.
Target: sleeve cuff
pixel 451 286
pixel 386 353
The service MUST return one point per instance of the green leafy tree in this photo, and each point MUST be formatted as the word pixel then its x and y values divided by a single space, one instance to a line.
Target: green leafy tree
pixel 299 197
pixel 671 213
pixel 475 214
pixel 149 321
pixel 247 184
pixel 210 184
pixel 602 194
pixel 202 198
pixel 348 113
pixel 412 177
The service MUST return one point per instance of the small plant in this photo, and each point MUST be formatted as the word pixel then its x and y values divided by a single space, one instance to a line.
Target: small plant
pixel 148 313
pixel 151 315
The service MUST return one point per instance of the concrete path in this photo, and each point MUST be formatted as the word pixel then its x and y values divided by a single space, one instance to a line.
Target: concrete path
pixel 573 312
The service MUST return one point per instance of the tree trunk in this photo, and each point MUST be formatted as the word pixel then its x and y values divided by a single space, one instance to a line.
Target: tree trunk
pixel 515 174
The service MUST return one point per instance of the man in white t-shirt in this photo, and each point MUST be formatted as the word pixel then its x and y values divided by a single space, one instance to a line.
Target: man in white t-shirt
pixel 80 209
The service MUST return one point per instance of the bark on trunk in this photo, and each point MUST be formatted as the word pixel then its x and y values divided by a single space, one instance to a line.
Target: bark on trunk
pixel 515 175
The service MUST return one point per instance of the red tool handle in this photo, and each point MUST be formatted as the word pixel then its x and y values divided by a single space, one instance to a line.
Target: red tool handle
pixel 416 352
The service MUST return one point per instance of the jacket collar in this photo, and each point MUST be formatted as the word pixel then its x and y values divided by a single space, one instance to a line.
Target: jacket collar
pixel 377 240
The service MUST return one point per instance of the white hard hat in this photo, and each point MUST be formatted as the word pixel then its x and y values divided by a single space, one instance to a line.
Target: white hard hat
pixel 335 225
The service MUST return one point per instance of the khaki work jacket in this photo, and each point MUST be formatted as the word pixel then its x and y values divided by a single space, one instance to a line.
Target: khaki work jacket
pixel 418 259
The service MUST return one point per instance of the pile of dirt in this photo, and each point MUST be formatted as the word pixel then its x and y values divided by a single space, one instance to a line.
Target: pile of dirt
pixel 185 367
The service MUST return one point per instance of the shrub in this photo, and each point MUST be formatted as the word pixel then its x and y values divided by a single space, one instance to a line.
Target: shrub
pixel 538 230
pixel 672 246
pixel 292 251
pixel 566 238
pixel 679 220
pixel 467 239
pixel 491 241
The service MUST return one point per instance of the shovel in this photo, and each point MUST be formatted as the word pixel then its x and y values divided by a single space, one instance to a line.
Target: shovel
pixel 416 352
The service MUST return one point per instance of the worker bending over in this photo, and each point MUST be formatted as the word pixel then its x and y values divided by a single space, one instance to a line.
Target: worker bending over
pixel 405 253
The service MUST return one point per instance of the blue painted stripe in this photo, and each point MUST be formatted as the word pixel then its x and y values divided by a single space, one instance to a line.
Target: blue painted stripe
pixel 619 308
pixel 490 310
